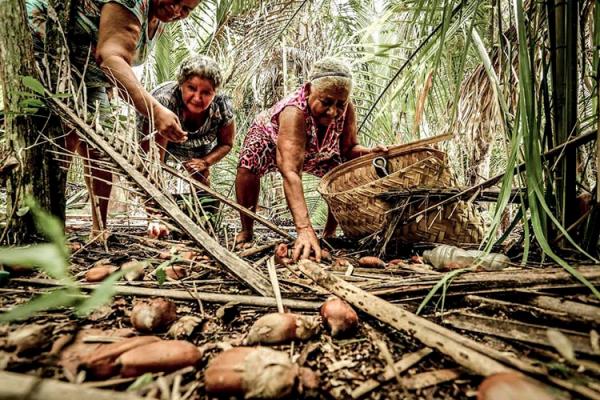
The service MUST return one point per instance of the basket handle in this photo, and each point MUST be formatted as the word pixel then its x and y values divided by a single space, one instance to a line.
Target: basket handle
pixel 380 165
pixel 421 142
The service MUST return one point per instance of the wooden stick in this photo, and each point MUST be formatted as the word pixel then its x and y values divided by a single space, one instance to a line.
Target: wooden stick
pixel 513 330
pixel 231 261
pixel 254 250
pixel 19 386
pixel 430 378
pixel 387 356
pixel 275 283
pixel 227 201
pixel 490 280
pixel 573 308
pixel 256 301
pixel 510 307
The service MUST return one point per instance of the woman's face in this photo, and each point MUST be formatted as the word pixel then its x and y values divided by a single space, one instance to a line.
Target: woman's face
pixel 197 94
pixel 327 103
pixel 173 10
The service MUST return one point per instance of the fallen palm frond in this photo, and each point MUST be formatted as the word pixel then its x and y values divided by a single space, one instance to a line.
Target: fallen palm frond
pixel 236 265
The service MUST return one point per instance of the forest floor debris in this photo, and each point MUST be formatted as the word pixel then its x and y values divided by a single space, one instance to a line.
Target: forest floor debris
pixel 215 313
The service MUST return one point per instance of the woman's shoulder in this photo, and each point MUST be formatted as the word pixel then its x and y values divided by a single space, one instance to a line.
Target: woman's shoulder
pixel 165 87
pixel 139 8
pixel 295 100
pixel 223 101
pixel 224 106
pixel 166 93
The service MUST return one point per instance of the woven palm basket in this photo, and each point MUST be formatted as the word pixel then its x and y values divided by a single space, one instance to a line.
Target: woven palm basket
pixel 352 192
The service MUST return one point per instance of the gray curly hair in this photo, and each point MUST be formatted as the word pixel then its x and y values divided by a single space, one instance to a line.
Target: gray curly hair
pixel 201 66
pixel 330 71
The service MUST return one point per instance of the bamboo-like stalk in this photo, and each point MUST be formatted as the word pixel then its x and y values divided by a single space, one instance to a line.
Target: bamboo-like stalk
pixel 569 172
pixel 563 59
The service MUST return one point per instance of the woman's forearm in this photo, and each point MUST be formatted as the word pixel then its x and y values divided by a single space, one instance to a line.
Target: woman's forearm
pixel 294 194
pixel 217 154
pixel 117 69
pixel 356 151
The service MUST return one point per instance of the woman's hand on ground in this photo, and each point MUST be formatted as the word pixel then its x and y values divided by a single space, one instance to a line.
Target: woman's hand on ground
pixel 167 124
pixel 307 240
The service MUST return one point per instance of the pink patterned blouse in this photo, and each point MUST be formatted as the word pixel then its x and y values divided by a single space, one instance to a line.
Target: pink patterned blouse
pixel 259 148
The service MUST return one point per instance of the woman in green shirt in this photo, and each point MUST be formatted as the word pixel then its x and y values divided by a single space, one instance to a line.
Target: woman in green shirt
pixel 108 38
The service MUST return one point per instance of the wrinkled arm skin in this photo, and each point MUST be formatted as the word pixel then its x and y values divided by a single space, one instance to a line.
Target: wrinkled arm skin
pixel 225 140
pixel 291 143
pixel 118 35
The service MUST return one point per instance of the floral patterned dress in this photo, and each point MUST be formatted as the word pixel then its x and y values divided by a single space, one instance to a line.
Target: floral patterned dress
pixel 259 149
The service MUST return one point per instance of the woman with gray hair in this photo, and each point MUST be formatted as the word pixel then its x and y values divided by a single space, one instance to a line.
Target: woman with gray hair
pixel 205 115
pixel 312 130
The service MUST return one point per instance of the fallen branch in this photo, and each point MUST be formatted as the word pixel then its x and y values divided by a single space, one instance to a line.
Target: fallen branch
pixel 255 250
pixel 489 280
pixel 514 330
pixel 229 202
pixel 511 307
pixel 19 386
pixel 275 283
pixel 575 309
pixel 430 378
pixel 257 301
pixel 232 262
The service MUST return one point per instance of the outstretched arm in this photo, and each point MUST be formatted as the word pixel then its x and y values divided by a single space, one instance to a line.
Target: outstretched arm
pixel 290 160
pixel 118 35
pixel 225 139
pixel 349 146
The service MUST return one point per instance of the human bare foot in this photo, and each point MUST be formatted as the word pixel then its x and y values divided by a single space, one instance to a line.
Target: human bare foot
pixel 243 238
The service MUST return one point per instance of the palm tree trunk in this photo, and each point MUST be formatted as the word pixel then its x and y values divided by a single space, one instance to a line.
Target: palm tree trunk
pixel 38 174
pixel 16 52
pixel 58 50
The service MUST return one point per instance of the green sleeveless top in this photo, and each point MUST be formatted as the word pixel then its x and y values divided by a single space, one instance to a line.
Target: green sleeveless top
pixel 84 35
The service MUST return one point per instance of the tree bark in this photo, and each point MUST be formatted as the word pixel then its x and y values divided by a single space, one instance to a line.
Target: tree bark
pixel 58 51
pixel 38 173
pixel 16 53
pixel 569 215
